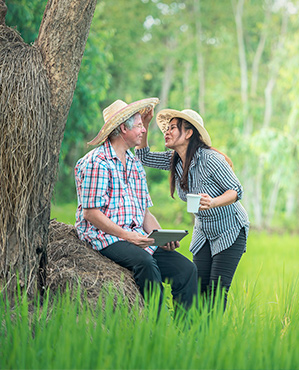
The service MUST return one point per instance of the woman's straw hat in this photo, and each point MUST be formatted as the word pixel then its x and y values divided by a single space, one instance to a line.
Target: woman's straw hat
pixel 165 115
pixel 118 112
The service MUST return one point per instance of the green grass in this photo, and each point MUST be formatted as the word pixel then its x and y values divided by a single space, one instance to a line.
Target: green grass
pixel 72 336
pixel 64 213
pixel 259 330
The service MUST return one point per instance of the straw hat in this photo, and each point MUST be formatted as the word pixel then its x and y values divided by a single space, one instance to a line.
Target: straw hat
pixel 165 115
pixel 118 112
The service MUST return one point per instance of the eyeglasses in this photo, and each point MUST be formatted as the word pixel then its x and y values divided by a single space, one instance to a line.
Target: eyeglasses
pixel 139 125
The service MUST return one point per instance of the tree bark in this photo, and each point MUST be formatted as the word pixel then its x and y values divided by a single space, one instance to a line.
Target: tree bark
pixel 60 44
pixel 3 10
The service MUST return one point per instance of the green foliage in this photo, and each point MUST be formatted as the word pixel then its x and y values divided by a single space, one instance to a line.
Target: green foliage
pixel 85 114
pixel 259 330
pixel 138 48
pixel 26 17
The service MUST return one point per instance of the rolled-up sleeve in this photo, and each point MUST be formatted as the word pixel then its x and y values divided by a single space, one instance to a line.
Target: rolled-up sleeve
pixel 161 160
pixel 95 185
pixel 224 176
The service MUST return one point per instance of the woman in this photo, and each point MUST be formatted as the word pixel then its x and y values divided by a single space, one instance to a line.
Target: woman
pixel 221 223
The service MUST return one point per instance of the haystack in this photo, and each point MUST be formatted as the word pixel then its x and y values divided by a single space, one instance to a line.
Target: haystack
pixel 72 262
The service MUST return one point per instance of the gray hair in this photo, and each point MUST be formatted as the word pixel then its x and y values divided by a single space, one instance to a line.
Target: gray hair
pixel 128 123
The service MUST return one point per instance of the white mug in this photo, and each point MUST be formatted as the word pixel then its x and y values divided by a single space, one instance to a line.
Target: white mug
pixel 193 202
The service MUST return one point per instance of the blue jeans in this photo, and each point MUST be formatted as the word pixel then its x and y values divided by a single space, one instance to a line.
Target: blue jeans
pixel 220 268
pixel 162 266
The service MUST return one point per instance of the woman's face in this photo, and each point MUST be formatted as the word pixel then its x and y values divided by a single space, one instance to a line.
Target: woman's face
pixel 174 139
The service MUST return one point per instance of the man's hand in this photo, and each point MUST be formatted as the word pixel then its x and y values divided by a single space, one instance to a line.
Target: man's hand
pixel 171 246
pixel 140 240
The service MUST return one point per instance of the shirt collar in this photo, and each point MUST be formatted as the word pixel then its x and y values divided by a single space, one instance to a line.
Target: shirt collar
pixel 195 158
pixel 193 162
pixel 110 152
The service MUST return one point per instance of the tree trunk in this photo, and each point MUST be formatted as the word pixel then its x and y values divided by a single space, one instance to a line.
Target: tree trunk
pixel 274 73
pixel 238 11
pixel 246 117
pixel 200 59
pixel 258 54
pixel 166 83
pixel 291 196
pixel 291 202
pixel 186 84
pixel 57 55
pixel 275 187
pixel 257 199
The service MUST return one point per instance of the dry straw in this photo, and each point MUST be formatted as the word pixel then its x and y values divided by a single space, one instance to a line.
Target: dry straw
pixel 72 262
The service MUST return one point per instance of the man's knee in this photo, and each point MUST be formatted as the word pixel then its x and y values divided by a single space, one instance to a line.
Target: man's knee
pixel 147 266
pixel 193 270
pixel 190 272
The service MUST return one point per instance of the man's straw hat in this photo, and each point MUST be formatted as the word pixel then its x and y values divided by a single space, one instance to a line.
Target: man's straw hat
pixel 118 112
pixel 165 115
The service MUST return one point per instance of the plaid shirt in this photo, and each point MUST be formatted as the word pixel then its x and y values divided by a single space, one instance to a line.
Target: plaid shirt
pixel 123 196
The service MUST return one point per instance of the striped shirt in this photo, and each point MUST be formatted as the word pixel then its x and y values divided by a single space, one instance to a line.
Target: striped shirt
pixel 122 195
pixel 209 173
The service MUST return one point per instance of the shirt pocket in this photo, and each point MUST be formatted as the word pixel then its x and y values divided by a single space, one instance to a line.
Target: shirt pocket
pixel 116 203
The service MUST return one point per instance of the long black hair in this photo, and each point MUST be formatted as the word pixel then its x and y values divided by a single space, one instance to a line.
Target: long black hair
pixel 195 142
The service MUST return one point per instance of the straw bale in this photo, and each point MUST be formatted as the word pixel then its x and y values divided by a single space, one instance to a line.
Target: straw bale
pixel 72 262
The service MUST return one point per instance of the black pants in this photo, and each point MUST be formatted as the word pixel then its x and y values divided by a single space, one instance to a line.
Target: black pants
pixel 220 268
pixel 163 266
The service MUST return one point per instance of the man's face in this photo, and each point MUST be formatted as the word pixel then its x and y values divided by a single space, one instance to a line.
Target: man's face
pixel 134 136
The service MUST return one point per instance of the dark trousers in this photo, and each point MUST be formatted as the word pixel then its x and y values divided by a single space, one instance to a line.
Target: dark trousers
pixel 162 266
pixel 220 268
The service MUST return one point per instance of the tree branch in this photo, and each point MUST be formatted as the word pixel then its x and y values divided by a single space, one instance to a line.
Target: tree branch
pixel 3 11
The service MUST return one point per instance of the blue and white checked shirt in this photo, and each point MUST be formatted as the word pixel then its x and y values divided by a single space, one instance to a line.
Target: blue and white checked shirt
pixel 123 196
pixel 209 173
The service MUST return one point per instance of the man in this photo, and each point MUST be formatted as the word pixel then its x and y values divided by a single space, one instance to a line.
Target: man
pixel 113 202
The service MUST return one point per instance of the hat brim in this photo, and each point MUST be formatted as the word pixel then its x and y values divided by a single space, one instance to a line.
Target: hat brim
pixel 165 115
pixel 139 106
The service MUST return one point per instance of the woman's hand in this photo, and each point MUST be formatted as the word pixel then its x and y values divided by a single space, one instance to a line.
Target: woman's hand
pixel 206 202
pixel 147 117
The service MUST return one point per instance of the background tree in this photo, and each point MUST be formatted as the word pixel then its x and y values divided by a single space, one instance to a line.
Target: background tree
pixel 234 61
pixel 37 86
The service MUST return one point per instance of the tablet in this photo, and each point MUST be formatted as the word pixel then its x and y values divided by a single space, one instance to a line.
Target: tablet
pixel 163 236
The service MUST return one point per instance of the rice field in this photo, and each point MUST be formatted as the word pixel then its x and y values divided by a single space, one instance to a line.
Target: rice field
pixel 259 329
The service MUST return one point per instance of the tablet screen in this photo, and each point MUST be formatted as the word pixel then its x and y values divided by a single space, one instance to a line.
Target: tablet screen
pixel 163 236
